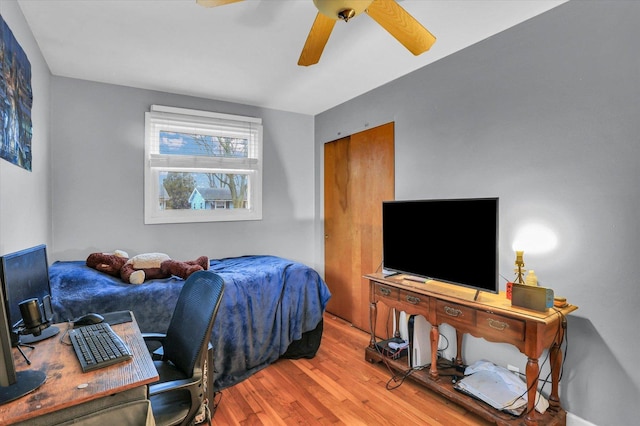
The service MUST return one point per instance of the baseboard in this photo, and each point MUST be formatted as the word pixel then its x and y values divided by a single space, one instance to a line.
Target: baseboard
pixel 573 420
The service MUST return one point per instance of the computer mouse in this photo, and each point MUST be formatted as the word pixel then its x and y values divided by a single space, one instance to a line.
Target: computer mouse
pixel 88 319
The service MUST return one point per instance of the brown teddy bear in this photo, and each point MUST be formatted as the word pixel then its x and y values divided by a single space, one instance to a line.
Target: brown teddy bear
pixel 142 267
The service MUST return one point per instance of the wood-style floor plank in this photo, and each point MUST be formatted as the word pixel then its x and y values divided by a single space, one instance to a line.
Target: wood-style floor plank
pixel 336 387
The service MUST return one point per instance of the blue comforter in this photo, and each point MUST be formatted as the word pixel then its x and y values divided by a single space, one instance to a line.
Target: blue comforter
pixel 268 303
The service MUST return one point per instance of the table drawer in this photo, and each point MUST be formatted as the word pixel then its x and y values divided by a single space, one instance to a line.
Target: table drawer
pixel 385 293
pixel 498 327
pixel 454 314
pixel 415 302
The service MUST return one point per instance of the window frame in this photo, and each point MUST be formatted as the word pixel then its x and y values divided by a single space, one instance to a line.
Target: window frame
pixel 172 119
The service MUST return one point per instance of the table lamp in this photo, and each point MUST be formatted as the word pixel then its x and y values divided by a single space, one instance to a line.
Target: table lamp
pixel 520 267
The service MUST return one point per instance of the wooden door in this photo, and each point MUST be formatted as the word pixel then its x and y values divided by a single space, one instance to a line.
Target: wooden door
pixel 358 176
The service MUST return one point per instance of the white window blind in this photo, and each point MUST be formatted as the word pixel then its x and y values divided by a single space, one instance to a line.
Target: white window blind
pixel 197 161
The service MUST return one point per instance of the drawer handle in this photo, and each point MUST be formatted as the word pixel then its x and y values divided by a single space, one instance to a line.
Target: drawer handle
pixel 498 325
pixel 385 291
pixel 452 312
pixel 413 300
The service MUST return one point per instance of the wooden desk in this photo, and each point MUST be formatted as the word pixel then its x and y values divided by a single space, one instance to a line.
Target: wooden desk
pixel 62 396
pixel 491 317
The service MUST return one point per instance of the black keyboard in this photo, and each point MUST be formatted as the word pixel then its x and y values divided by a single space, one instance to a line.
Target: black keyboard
pixel 98 346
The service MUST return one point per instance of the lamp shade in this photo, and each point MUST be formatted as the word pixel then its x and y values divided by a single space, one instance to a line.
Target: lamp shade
pixel 333 8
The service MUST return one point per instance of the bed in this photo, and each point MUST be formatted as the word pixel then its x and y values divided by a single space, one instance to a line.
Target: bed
pixel 272 307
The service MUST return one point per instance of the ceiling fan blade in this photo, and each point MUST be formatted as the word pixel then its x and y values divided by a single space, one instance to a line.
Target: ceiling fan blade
pixel 400 24
pixel 316 40
pixel 214 3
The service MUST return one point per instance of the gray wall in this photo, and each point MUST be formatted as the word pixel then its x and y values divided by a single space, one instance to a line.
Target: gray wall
pixel 98 140
pixel 25 196
pixel 546 116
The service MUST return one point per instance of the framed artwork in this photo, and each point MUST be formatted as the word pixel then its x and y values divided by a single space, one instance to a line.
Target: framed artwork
pixel 16 98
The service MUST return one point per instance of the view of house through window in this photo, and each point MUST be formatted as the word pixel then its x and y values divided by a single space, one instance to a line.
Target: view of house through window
pixel 202 166
pixel 183 190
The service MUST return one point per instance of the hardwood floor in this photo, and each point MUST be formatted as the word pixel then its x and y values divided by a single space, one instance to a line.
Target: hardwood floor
pixel 336 387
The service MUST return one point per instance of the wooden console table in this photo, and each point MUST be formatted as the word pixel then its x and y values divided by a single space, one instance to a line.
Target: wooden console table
pixel 491 317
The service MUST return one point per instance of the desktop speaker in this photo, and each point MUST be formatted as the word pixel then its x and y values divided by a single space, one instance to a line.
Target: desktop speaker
pixel 531 297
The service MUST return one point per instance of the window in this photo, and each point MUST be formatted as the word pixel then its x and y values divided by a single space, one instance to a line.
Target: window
pixel 201 166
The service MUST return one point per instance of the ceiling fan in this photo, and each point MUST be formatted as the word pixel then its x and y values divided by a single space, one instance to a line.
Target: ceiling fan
pixel 389 14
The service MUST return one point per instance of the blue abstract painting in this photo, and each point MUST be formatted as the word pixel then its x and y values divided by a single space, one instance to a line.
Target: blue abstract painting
pixel 16 98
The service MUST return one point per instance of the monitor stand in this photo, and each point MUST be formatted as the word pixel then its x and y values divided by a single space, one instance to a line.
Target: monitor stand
pixel 26 382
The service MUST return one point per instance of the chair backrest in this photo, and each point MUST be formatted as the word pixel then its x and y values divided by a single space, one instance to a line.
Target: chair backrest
pixel 189 331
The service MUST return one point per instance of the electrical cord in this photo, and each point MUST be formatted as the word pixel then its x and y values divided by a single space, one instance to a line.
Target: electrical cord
pixel 395 377
pixel 441 350
pixel 561 325
pixel 66 334
pixel 217 398
pixel 565 340
pixel 398 376
pixel 401 375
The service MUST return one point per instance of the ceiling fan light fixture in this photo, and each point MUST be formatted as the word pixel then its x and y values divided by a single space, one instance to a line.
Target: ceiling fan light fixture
pixel 342 9
pixel 346 14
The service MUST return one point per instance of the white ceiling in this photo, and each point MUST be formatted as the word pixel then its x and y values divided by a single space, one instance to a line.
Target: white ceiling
pixel 247 52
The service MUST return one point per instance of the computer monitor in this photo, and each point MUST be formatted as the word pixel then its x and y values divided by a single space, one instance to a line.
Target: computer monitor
pixel 25 276
pixel 13 384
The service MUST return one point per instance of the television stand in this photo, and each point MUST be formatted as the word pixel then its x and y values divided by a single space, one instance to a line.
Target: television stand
pixel 428 281
pixel 416 279
pixel 494 319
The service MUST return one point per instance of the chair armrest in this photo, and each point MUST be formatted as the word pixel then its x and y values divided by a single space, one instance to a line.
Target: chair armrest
pixel 156 349
pixel 154 337
pixel 158 388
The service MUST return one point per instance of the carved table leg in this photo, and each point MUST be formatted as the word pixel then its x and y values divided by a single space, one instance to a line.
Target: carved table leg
pixel 373 316
pixel 434 337
pixel 555 353
pixel 533 370
pixel 396 317
pixel 459 348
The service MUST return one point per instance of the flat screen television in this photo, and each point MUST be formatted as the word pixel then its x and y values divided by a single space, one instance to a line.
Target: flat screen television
pixel 25 275
pixel 449 240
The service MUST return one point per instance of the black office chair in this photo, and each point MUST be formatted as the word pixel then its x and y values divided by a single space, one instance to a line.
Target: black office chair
pixel 181 360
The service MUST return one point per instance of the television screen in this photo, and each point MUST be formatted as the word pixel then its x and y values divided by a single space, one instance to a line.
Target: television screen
pixel 25 275
pixel 448 240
